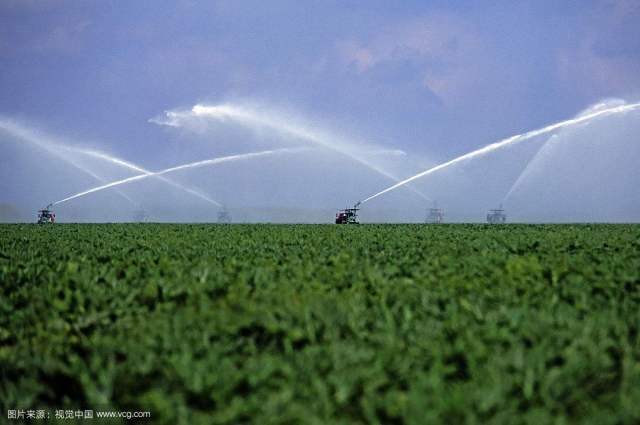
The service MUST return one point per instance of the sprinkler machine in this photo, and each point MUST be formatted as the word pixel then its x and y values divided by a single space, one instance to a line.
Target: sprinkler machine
pixel 46 216
pixel 435 215
pixel 224 217
pixel 497 216
pixel 140 216
pixel 348 215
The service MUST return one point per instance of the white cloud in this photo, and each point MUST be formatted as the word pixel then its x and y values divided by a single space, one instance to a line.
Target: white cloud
pixel 448 50
pixel 606 59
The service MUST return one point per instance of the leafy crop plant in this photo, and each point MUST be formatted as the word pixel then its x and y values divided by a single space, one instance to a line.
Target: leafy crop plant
pixel 203 324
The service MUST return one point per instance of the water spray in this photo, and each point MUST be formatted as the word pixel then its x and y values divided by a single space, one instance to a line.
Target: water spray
pixel 252 117
pixel 509 142
pixel 196 164
pixel 551 141
pixel 527 170
pixel 134 167
pixel 53 149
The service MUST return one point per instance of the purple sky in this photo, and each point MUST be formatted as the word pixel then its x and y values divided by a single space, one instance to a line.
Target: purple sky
pixel 435 78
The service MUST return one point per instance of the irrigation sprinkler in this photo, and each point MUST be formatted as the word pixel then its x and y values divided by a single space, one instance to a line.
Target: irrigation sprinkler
pixel 348 215
pixel 46 216
pixel 224 217
pixel 435 215
pixel 497 216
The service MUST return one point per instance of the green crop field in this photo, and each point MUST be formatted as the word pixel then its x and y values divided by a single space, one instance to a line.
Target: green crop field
pixel 203 324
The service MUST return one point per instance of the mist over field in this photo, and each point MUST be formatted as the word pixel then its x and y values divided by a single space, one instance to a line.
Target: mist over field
pixel 350 99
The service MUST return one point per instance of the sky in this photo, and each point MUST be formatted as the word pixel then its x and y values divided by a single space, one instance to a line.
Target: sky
pixel 404 85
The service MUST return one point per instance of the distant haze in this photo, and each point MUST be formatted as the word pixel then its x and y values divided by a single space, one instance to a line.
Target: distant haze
pixel 375 92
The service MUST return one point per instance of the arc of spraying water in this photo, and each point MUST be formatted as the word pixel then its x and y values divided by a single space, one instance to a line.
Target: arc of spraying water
pixel 25 134
pixel 543 149
pixel 527 169
pixel 244 115
pixel 196 164
pixel 134 167
pixel 28 135
pixel 507 142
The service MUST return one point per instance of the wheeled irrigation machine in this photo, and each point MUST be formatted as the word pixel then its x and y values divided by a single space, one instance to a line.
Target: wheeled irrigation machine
pixel 140 216
pixel 224 217
pixel 435 215
pixel 348 215
pixel 497 216
pixel 46 216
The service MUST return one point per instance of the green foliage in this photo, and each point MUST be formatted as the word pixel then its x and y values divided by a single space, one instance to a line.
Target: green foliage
pixel 324 324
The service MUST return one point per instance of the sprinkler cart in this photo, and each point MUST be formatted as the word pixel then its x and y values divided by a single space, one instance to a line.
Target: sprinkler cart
pixel 497 216
pixel 348 215
pixel 46 216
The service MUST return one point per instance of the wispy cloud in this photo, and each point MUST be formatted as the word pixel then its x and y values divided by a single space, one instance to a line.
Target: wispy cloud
pixel 444 47
pixel 605 60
